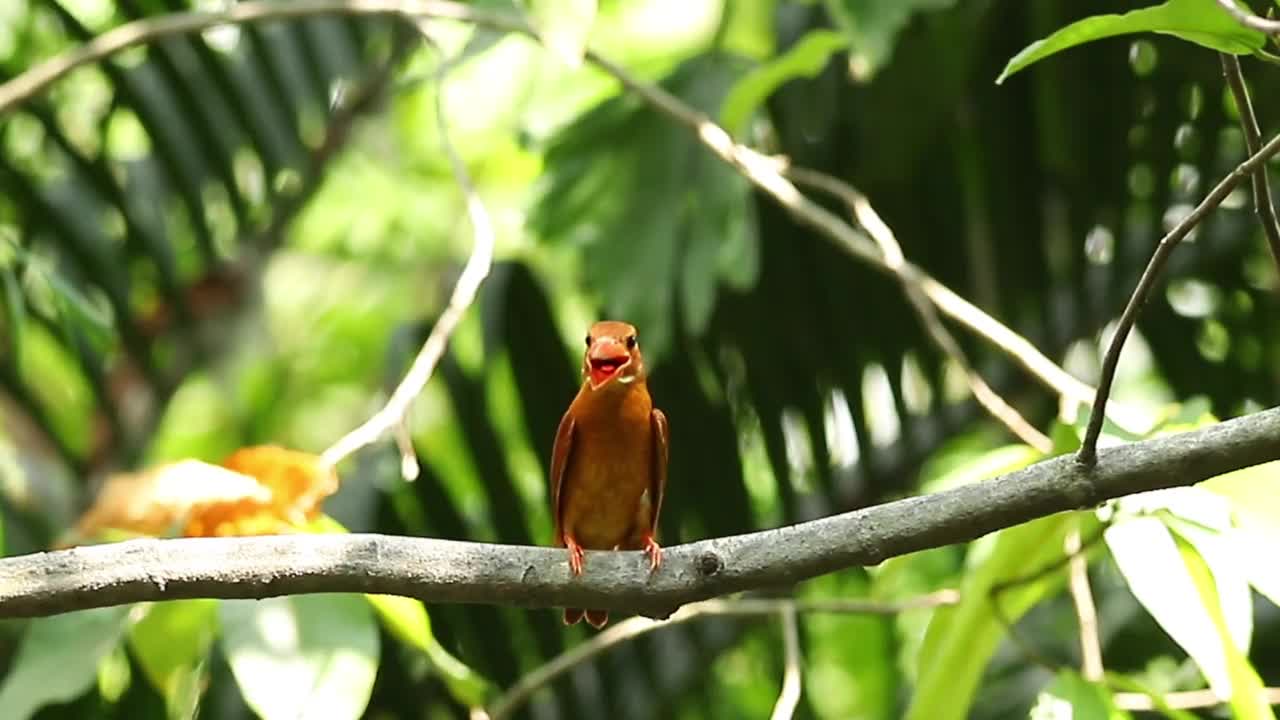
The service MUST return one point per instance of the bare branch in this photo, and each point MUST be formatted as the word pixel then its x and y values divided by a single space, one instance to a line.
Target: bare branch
pixel 789 697
pixel 394 415
pixel 893 257
pixel 1262 205
pixel 632 628
pixel 150 29
pixel 1249 20
pixel 1088 452
pixel 442 571
pixel 1185 700
pixel 1086 613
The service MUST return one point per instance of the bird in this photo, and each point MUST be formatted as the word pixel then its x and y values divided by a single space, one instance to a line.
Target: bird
pixel 609 463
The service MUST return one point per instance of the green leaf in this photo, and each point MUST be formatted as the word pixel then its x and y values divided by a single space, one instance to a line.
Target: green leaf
pixel 1248 697
pixel 58 659
pixel 114 675
pixel 407 620
pixel 992 463
pixel 1148 556
pixel 806 59
pixel 637 196
pixel 312 656
pixel 962 638
pixel 171 643
pixel 563 26
pixel 1202 22
pixel 1071 697
pixel 15 312
pixel 872 27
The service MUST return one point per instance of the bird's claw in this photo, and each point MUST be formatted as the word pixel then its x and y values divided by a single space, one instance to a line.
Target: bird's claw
pixel 576 556
pixel 654 551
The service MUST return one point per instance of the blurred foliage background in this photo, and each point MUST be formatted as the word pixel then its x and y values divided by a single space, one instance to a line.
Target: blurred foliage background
pixel 243 236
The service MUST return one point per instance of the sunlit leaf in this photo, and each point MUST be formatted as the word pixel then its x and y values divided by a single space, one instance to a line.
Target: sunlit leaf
pixel 312 656
pixel 563 25
pixel 114 675
pixel 1202 22
pixel 58 659
pixel 1248 697
pixel 805 59
pixel 977 467
pixel 1148 557
pixel 407 620
pixel 872 28
pixel 171 643
pixel 1071 697
pixel 641 196
pixel 961 638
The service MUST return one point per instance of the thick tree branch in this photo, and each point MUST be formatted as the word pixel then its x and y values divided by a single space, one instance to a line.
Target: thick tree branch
pixel 443 571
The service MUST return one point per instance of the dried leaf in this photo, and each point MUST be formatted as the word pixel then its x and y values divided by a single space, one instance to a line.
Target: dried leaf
pixel 258 490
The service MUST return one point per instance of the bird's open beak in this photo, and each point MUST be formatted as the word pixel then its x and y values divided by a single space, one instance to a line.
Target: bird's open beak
pixel 605 360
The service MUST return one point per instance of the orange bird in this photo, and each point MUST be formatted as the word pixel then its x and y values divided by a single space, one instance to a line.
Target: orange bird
pixel 609 466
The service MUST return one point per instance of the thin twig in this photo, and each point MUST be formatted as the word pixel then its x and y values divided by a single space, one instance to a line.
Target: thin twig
pixel 1248 19
pixel 1185 700
pixel 1028 649
pixel 149 29
pixel 789 696
pixel 1086 613
pixel 631 628
pixel 1262 204
pixel 394 414
pixel 893 256
pixel 1088 453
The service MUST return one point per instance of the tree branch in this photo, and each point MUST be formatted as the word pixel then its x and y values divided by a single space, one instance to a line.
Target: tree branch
pixel 394 415
pixel 891 252
pixel 631 628
pixel 1262 205
pixel 1249 20
pixel 443 571
pixel 1088 452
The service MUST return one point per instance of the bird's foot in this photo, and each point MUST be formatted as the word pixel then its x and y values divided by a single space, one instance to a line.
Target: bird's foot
pixel 577 557
pixel 654 551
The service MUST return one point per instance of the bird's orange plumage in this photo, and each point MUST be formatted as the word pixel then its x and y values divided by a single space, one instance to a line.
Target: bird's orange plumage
pixel 609 466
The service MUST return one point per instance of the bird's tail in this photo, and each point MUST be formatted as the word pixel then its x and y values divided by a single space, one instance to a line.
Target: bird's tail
pixel 596 618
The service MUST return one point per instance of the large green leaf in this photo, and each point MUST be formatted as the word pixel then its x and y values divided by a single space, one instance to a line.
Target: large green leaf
pixel 1199 21
pixel 1248 697
pixel 961 639
pixel 654 208
pixel 312 656
pixel 58 659
pixel 872 27
pixel 171 643
pixel 407 620
pixel 1149 557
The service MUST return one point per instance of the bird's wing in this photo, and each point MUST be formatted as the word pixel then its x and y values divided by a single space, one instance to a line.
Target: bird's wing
pixel 658 479
pixel 559 464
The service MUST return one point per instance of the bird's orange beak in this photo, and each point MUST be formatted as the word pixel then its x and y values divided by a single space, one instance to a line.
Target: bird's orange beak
pixel 605 359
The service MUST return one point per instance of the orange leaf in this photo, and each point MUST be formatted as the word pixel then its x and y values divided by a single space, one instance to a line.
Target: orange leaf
pixel 260 490
pixel 159 501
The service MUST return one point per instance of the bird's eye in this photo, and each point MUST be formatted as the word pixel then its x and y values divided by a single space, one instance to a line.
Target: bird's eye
pixel 631 342
pixel 588 341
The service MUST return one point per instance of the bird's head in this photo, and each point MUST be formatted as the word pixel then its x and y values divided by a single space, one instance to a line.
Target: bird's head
pixel 613 355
